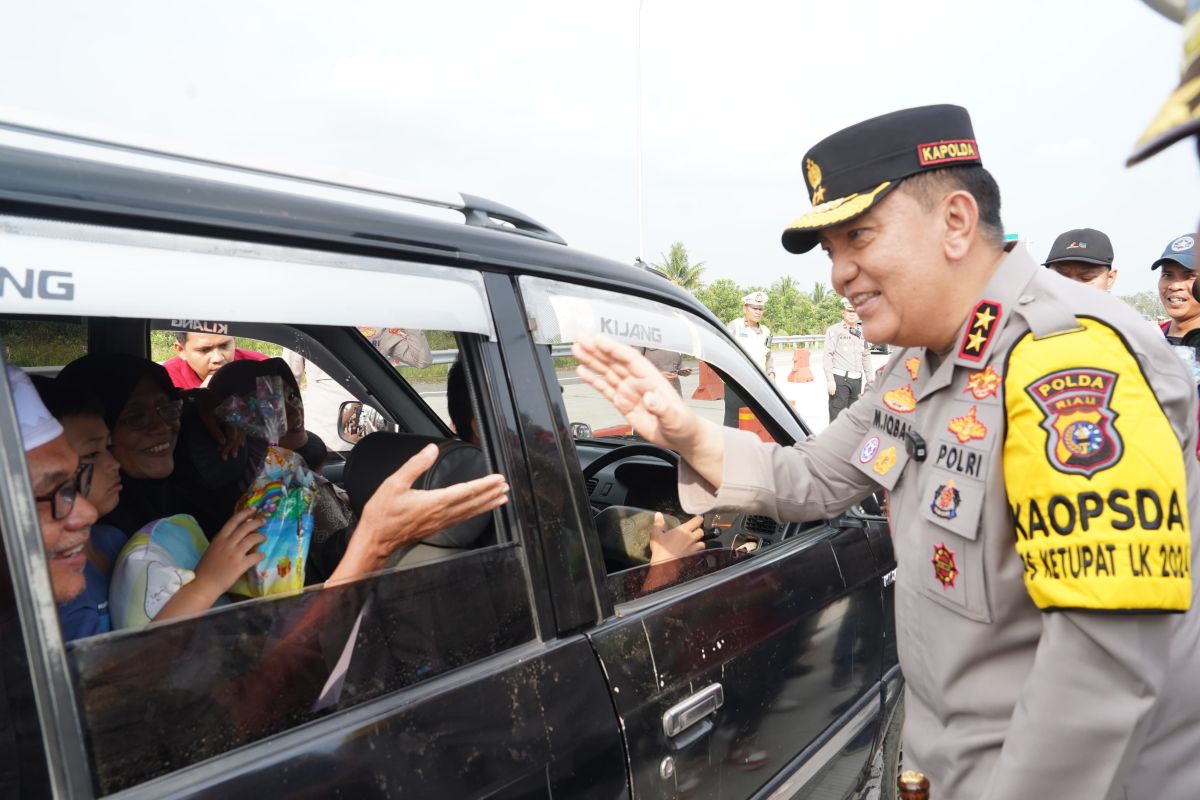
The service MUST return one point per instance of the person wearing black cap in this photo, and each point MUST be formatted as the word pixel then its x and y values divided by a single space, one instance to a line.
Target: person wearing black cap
pixel 1084 255
pixel 1017 433
pixel 1178 265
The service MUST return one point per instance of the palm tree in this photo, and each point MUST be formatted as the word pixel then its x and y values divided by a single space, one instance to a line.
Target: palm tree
pixel 679 270
pixel 818 293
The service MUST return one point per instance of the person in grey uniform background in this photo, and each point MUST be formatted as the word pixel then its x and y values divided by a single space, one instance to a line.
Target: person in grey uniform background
pixel 1032 438
pixel 846 361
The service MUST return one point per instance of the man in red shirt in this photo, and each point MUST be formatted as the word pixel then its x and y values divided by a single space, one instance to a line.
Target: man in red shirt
pixel 201 355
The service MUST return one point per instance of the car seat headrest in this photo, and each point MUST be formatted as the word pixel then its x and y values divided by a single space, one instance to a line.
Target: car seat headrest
pixel 380 454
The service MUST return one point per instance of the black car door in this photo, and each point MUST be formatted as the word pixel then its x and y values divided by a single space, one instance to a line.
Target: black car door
pixel 747 670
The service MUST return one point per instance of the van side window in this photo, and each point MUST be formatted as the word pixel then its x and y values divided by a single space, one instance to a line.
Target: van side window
pixel 155 696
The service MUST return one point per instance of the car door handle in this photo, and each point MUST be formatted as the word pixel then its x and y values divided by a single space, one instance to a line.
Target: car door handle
pixel 686 713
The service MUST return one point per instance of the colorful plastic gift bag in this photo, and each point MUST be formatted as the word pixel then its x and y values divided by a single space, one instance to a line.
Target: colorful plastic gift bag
pixel 284 492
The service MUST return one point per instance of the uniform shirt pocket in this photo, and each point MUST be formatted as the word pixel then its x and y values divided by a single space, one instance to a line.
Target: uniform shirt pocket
pixel 950 507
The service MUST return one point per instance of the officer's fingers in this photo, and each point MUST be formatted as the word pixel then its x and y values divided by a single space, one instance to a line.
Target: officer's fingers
pixel 660 523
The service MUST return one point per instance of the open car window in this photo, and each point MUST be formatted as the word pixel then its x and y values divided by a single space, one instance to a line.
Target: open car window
pixel 628 480
pixel 288 649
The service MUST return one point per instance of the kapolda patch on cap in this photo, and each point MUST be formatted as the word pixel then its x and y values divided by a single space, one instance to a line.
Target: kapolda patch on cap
pixel 946 152
pixel 1077 404
pixel 983 322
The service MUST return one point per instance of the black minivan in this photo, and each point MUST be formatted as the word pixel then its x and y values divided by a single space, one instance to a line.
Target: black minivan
pixel 543 655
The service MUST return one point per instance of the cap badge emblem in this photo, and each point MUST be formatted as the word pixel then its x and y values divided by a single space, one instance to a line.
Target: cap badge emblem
pixel 1081 434
pixel 1182 243
pixel 1077 246
pixel 813 172
pixel 944 568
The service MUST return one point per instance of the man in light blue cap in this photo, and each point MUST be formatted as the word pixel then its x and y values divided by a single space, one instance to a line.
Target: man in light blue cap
pixel 1178 264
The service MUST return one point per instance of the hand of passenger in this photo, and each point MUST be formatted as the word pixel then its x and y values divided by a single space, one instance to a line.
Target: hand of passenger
pixel 670 375
pixel 679 541
pixel 229 438
pixel 231 552
pixel 399 515
pixel 831 388
pixel 638 390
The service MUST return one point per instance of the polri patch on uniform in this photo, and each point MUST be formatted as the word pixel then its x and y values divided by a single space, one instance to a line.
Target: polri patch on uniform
pixel 944 568
pixel 901 399
pixel 868 451
pixel 983 323
pixel 913 365
pixel 1081 435
pixel 984 384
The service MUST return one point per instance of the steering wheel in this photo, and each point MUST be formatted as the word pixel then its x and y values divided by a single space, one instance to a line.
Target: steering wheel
pixel 628 451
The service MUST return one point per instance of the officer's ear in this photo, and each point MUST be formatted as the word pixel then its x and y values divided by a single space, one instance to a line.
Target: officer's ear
pixel 960 216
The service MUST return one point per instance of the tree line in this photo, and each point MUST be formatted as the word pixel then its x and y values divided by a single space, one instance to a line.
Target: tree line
pixel 791 311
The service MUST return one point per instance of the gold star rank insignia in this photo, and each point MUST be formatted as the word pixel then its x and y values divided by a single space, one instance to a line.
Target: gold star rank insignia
pixel 984 320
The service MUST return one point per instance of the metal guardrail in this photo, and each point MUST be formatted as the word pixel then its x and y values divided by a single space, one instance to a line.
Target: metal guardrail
pixel 450 356
pixel 808 340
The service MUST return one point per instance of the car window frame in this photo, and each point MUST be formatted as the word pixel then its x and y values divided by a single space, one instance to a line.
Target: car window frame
pixel 62 725
pixel 784 425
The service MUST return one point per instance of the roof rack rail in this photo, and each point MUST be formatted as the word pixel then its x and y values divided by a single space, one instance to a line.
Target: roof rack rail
pixel 488 214
pixel 355 189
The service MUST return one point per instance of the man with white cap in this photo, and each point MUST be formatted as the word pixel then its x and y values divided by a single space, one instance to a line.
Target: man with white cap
pixel 60 484
pixel 753 337
pixel 847 361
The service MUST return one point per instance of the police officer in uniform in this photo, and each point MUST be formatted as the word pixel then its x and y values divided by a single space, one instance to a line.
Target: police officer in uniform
pixel 1029 435
pixel 755 340
pixel 846 361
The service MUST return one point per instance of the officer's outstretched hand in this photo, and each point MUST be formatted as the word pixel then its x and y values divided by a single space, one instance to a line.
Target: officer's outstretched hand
pixel 652 406
pixel 638 389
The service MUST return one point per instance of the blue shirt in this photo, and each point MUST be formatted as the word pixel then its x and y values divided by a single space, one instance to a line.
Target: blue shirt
pixel 87 614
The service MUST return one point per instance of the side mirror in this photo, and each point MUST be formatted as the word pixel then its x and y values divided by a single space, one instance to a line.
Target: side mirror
pixel 356 420
pixel 581 430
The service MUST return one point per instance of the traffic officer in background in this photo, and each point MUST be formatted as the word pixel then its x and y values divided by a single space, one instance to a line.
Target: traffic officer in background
pixel 1084 255
pixel 846 361
pixel 1030 437
pixel 755 339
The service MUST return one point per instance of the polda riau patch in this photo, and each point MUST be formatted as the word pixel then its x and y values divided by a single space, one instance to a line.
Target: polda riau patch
pixel 1081 434
pixel 944 567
